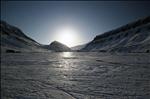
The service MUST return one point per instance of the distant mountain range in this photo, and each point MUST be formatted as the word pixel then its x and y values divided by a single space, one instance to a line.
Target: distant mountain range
pixel 78 47
pixel 132 37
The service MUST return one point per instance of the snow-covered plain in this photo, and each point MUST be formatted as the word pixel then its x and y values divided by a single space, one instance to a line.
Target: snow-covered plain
pixel 75 75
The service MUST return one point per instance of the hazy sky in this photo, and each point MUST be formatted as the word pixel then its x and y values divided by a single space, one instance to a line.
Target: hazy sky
pixel 45 20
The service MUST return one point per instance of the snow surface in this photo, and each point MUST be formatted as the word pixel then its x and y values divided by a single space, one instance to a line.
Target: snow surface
pixel 75 75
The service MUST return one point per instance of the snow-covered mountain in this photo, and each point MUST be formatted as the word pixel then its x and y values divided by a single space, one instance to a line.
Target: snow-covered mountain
pixel 14 40
pixel 58 47
pixel 132 37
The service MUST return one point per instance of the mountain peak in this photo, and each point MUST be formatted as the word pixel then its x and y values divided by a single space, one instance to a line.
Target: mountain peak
pixel 56 42
pixel 59 47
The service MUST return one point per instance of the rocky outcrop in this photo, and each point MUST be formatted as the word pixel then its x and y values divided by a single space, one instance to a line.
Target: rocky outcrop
pixel 133 37
pixel 58 47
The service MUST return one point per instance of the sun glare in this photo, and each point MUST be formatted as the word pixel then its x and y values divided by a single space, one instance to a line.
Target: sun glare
pixel 67 36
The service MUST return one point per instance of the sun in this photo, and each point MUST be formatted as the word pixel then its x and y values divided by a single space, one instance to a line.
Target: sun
pixel 67 36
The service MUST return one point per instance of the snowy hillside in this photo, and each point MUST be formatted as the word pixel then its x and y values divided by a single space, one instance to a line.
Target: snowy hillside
pixel 14 40
pixel 133 37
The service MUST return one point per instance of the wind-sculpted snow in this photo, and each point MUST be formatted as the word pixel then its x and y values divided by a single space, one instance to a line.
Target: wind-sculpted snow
pixel 71 75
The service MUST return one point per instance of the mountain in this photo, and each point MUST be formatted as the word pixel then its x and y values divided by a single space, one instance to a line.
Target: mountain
pixel 132 37
pixel 14 40
pixel 78 47
pixel 58 47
